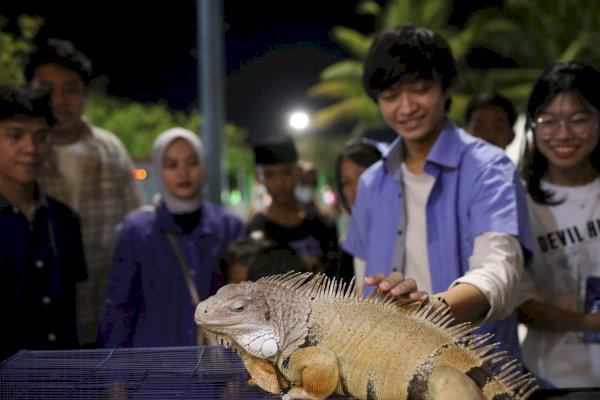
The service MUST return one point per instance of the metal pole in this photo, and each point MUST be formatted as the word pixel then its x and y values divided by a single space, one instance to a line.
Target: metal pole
pixel 211 86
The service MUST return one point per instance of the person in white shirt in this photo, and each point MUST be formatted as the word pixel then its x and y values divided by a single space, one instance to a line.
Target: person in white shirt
pixel 561 172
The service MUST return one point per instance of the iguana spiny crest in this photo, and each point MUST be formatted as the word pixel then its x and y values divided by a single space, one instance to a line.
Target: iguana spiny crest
pixel 308 336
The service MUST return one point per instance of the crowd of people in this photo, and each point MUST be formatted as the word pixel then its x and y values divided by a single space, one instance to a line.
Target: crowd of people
pixel 441 210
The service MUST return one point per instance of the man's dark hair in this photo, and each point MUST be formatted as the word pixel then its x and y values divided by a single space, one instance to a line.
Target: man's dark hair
pixel 275 259
pixel 62 53
pixel 483 99
pixel 282 151
pixel 406 54
pixel 17 102
pixel 262 257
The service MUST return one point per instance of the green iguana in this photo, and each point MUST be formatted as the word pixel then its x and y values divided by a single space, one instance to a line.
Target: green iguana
pixel 308 336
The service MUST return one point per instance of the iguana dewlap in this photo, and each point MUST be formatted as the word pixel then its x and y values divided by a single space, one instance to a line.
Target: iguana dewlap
pixel 308 337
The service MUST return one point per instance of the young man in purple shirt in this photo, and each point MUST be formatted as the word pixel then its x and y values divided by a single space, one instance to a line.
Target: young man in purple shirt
pixel 442 208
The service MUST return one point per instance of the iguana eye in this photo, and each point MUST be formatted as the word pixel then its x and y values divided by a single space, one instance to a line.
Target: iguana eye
pixel 238 308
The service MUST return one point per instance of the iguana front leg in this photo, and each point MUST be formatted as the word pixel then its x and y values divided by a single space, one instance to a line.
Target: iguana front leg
pixel 317 369
pixel 263 373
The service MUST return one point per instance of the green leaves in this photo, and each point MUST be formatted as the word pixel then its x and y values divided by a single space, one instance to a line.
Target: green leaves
pixel 14 50
pixel 537 35
pixel 533 34
pixel 138 124
pixel 342 81
pixel 353 41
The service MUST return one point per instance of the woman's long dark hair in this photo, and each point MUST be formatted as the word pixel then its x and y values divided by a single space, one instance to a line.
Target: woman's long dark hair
pixel 577 78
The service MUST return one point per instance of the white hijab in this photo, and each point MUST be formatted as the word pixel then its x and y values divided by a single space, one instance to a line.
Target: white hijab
pixel 175 204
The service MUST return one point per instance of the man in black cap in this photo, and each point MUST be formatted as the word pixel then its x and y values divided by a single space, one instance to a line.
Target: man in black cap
pixel 284 219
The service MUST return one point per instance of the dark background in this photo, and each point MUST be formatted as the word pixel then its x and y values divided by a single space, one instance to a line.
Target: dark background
pixel 146 51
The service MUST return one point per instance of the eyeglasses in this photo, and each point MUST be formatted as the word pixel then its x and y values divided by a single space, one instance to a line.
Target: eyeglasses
pixel 580 125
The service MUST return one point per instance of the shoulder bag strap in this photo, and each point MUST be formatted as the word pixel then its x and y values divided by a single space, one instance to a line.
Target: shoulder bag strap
pixel 185 268
pixel 201 336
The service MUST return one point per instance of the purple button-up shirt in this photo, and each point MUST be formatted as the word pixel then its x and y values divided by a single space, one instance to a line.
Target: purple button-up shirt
pixel 477 190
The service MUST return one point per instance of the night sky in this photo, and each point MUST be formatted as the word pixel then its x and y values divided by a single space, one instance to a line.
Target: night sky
pixel 147 50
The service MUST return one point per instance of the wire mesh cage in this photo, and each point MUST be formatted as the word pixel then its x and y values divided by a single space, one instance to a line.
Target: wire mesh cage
pixel 206 372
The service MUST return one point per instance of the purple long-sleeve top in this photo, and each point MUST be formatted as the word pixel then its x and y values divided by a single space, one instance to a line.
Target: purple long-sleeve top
pixel 148 303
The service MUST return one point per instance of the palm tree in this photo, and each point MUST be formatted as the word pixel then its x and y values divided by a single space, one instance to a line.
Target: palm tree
pixel 532 34
pixel 342 80
pixel 536 34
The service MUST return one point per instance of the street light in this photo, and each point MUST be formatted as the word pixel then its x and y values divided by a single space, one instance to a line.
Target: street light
pixel 299 120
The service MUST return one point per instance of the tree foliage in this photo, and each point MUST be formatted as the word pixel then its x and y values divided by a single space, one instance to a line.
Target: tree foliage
pixel 533 35
pixel 14 49
pixel 138 124
pixel 342 82
pixel 536 35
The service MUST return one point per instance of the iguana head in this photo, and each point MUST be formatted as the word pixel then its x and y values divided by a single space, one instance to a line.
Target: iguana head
pixel 239 315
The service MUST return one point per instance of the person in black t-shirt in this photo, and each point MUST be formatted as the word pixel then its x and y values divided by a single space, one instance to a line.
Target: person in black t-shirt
pixel 284 220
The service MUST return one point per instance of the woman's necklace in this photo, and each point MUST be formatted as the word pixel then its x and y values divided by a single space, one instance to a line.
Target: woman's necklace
pixel 591 188
pixel 576 199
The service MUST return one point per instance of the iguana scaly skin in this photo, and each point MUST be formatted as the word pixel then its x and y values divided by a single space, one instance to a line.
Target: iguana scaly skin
pixel 308 336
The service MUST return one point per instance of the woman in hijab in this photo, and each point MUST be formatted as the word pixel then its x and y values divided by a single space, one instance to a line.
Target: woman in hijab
pixel 166 256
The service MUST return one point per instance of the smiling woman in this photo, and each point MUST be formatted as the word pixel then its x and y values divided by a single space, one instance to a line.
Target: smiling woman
pixel 562 168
